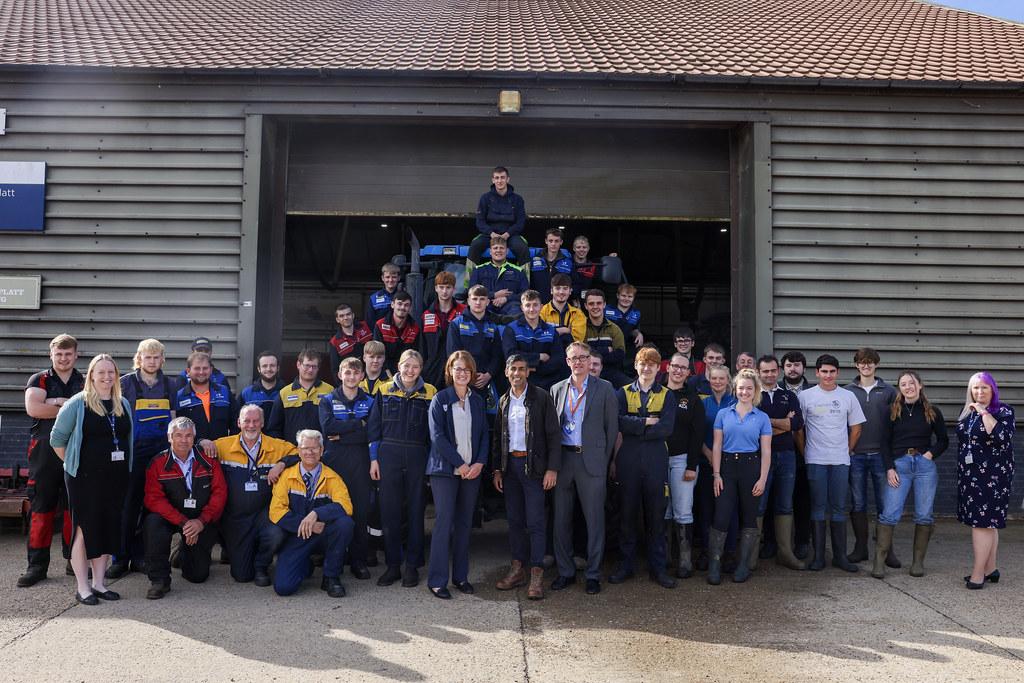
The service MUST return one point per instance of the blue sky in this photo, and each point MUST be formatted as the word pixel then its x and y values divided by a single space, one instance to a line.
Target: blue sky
pixel 1007 9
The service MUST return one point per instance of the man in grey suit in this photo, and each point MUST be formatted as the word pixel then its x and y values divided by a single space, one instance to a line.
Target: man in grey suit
pixel 588 414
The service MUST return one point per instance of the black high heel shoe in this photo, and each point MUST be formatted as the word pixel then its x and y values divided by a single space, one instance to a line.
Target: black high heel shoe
pixel 990 578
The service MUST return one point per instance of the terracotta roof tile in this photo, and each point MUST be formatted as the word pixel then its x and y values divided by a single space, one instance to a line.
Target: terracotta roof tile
pixel 843 39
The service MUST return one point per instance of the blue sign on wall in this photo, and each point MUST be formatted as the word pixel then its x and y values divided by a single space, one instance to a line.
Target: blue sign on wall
pixel 22 195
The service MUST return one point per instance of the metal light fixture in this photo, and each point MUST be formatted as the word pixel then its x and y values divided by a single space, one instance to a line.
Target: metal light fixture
pixel 509 102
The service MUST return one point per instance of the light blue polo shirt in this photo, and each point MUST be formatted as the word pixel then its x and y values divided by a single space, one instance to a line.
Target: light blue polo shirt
pixel 742 435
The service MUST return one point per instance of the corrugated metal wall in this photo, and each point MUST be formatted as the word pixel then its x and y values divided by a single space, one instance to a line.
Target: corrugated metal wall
pixel 901 229
pixel 894 216
pixel 143 222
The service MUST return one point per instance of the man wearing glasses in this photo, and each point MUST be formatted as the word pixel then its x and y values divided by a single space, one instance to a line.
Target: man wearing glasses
pixel 588 414
pixel 682 340
pixel 875 397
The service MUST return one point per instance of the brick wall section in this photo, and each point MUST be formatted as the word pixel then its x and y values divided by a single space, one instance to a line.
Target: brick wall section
pixel 14 448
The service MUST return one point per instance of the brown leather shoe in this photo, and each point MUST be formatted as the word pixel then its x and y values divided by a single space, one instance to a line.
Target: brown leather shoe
pixel 536 588
pixel 515 577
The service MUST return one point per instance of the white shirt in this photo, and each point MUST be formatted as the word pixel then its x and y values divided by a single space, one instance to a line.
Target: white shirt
pixel 827 415
pixel 517 421
pixel 463 419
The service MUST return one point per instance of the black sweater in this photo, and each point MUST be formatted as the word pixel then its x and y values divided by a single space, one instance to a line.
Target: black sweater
pixel 911 430
pixel 688 433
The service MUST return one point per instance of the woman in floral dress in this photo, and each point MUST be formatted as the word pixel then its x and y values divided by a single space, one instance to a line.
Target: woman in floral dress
pixel 984 473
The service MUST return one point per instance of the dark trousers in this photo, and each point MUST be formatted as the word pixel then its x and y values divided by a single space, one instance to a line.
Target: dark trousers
pixel 355 471
pixel 524 506
pixel 642 479
pixel 293 564
pixel 574 480
pixel 251 541
pixel 703 504
pixel 195 559
pixel 132 546
pixel 516 243
pixel 740 471
pixel 454 504
pixel 401 491
pixel 46 494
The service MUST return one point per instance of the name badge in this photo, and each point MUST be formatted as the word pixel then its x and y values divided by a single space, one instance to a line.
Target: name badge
pixel 116 456
pixel 252 486
pixel 968 459
pixel 190 503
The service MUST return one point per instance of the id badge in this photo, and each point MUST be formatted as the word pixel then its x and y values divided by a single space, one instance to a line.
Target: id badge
pixel 968 459
pixel 190 503
pixel 116 456
pixel 252 486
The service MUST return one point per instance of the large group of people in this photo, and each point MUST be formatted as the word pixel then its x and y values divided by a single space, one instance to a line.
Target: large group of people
pixel 517 393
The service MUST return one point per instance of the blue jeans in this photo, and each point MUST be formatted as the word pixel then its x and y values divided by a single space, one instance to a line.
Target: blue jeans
pixel 680 508
pixel 830 484
pixel 919 473
pixel 863 465
pixel 781 475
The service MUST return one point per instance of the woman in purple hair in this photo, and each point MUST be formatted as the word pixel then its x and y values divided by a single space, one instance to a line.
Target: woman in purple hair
pixel 984 473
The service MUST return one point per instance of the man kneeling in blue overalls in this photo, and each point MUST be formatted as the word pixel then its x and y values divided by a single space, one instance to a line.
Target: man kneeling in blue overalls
pixel 311 503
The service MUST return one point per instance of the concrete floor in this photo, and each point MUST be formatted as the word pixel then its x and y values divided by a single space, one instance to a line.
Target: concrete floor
pixel 780 626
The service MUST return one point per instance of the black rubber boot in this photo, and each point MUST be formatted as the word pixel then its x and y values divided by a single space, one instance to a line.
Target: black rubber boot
pixel 838 530
pixel 751 562
pixel 716 543
pixel 859 522
pixel 818 544
pixel 748 548
pixel 684 562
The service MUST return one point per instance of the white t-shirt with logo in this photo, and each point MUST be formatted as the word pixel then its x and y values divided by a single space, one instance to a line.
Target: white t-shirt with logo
pixel 827 415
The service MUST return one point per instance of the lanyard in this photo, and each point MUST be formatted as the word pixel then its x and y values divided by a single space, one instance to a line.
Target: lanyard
pixel 573 408
pixel 187 473
pixel 112 421
pixel 250 454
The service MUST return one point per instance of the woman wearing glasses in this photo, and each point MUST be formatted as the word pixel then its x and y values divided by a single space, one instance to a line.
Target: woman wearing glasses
pixel 458 454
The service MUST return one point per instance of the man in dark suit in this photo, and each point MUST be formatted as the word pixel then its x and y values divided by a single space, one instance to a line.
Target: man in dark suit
pixel 588 414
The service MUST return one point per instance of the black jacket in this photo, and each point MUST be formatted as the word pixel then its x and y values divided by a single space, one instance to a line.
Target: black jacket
pixel 688 431
pixel 543 438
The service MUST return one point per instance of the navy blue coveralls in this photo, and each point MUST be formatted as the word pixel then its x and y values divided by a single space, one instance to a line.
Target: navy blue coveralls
pixel 641 468
pixel 347 452
pixel 530 342
pixel 151 411
pixel 223 411
pixel 399 434
pixel 292 500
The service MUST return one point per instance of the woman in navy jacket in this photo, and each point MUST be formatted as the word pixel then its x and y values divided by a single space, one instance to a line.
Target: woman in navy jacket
pixel 458 453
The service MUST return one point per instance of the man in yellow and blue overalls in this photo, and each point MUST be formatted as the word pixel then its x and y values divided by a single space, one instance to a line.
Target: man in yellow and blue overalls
pixel 647 412
pixel 311 504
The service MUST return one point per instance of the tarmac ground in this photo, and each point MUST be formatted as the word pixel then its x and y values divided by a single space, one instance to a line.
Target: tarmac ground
pixel 779 626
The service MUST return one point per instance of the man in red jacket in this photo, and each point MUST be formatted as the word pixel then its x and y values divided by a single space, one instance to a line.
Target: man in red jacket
pixel 186 493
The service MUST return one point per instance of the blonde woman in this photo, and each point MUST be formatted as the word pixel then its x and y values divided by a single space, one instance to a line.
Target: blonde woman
pixel 93 436
pixel 741 455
